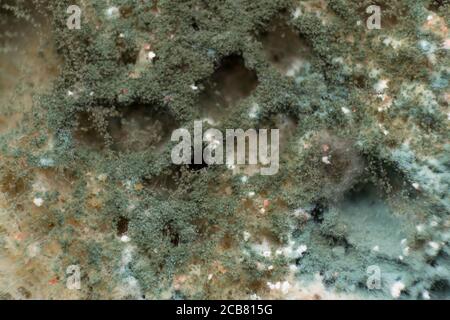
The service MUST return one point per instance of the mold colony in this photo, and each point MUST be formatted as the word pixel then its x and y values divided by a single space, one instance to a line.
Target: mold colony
pixel 363 176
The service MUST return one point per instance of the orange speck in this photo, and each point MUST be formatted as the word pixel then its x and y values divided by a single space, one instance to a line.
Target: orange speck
pixel 19 236
pixel 53 281
pixel 266 203
pixel 138 187
pixel 447 97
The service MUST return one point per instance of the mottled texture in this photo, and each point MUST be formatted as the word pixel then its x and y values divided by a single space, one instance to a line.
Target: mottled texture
pixel 85 171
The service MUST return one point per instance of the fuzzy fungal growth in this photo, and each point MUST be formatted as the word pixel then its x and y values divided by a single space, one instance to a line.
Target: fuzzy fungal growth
pixel 92 205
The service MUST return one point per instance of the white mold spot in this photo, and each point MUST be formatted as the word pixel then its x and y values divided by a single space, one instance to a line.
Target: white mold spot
pixel 112 13
pixel 381 86
pixel 326 160
pixel 397 288
pixel 38 202
pixel 345 110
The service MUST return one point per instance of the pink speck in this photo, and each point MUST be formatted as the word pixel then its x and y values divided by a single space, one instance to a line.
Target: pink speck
pixel 446 45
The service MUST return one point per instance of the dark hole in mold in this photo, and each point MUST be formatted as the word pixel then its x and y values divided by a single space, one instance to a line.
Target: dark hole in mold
pixel 437 5
pixel 285 123
pixel 440 289
pixel 170 232
pixel 129 56
pixel 231 82
pixel 122 226
pixel 318 210
pixel 284 48
pixel 390 179
pixel 141 127
pixel 360 81
pixel 89 131
pixel 128 51
pixel 131 129
pixel 195 25
pixel 197 166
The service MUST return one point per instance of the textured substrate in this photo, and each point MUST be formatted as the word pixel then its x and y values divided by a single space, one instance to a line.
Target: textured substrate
pixel 86 177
